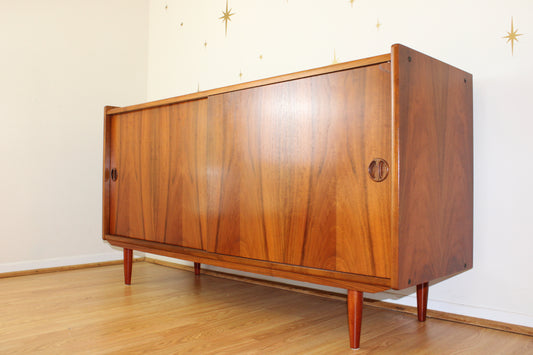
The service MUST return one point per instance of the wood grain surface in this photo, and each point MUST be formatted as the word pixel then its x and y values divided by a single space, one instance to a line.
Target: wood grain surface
pixel 288 178
pixel 383 58
pixel 128 265
pixel 276 172
pixel 159 154
pixel 106 178
pixel 293 272
pixel 434 201
pixel 169 311
pixel 422 291
pixel 355 317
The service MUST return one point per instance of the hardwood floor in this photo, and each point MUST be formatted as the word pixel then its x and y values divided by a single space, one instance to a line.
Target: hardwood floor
pixel 170 311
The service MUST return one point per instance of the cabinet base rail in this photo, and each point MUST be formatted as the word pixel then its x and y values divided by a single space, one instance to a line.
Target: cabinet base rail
pixel 354 300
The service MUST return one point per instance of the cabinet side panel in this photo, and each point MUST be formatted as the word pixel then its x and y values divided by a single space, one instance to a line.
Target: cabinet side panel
pixel 433 108
pixel 106 172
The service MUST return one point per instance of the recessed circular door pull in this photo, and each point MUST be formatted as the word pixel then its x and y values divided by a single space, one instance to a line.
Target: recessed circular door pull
pixel 378 169
pixel 114 174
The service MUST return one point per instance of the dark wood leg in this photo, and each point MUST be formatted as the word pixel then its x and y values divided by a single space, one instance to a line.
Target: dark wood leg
pixel 128 260
pixel 422 300
pixel 355 315
pixel 197 267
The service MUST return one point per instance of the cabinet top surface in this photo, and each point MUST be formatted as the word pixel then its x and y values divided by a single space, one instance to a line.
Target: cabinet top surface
pixel 277 79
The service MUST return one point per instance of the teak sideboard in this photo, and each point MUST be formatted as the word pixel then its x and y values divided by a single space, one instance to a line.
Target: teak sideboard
pixel 356 175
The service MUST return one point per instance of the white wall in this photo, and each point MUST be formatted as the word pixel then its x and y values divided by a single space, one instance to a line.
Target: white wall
pixel 300 34
pixel 61 61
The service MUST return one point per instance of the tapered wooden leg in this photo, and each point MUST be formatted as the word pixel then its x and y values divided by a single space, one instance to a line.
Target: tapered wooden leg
pixel 197 267
pixel 128 260
pixel 355 315
pixel 422 300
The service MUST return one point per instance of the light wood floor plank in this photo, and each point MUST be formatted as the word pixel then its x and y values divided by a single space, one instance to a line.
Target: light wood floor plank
pixel 170 311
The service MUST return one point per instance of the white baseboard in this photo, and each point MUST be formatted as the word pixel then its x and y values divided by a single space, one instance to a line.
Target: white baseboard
pixel 62 261
pixel 387 296
pixel 455 308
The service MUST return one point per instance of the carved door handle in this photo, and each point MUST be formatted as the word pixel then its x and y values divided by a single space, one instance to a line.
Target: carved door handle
pixel 378 169
pixel 114 174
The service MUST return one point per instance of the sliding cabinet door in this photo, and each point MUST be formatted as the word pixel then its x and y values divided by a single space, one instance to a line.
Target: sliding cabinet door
pixel 288 172
pixel 158 174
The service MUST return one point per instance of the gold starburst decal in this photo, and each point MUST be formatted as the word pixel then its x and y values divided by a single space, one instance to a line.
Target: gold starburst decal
pixel 226 16
pixel 335 59
pixel 378 25
pixel 512 36
pixel 351 2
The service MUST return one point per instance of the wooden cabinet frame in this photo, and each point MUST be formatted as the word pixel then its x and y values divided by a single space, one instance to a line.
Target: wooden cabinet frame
pixel 412 110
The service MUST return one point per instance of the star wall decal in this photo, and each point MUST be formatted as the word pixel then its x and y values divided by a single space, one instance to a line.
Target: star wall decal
pixel 512 36
pixel 351 2
pixel 335 59
pixel 226 16
pixel 240 75
pixel 378 25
